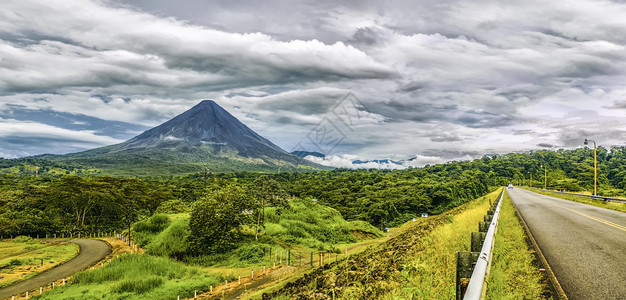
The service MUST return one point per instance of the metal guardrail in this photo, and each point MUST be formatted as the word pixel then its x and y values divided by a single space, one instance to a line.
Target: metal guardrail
pixel 477 286
pixel 604 198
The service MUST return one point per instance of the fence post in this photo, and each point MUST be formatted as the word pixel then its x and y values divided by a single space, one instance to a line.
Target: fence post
pixel 465 262
pixel 478 238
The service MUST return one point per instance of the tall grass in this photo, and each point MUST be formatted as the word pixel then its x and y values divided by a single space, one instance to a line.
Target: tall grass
pixel 136 276
pixel 513 274
pixel 312 225
pixel 431 272
pixel 163 235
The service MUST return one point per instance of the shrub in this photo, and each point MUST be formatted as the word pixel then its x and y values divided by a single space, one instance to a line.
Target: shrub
pixel 173 207
pixel 154 224
pixel 252 253
pixel 15 262
pixel 138 285
pixel 172 241
pixel 22 239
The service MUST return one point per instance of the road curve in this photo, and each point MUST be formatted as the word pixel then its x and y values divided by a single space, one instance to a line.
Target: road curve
pixel 584 245
pixel 91 251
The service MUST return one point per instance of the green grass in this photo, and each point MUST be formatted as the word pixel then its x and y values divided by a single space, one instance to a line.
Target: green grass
pixel 136 276
pixel 163 235
pixel 302 227
pixel 513 274
pixel 22 257
pixel 431 272
pixel 598 203
pixel 313 226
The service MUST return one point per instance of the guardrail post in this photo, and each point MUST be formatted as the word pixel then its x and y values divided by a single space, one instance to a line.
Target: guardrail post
pixel 465 262
pixel 483 227
pixel 488 218
pixel 478 238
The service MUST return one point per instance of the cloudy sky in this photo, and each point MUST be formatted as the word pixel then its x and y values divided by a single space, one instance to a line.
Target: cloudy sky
pixel 431 79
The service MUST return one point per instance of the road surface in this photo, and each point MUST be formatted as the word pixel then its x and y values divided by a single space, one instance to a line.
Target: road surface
pixel 91 251
pixel 584 245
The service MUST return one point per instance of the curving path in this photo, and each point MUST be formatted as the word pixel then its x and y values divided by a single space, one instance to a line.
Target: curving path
pixel 584 245
pixel 91 251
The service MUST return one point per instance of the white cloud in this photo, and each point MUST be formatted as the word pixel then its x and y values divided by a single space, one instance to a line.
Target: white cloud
pixel 23 136
pixel 442 79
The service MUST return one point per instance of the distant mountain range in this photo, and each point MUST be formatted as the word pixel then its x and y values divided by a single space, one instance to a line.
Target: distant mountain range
pixel 378 161
pixel 205 136
pixel 300 153
pixel 357 163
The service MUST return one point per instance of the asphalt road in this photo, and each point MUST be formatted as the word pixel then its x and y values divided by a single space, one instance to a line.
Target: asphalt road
pixel 584 245
pixel 91 251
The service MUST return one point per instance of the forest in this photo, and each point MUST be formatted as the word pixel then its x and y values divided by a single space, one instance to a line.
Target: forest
pixel 70 201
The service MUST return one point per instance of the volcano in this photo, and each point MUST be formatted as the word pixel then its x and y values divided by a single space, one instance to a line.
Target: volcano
pixel 207 124
pixel 204 137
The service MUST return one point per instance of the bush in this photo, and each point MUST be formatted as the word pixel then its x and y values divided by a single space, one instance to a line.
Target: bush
pixel 154 224
pixel 15 262
pixel 172 241
pixel 138 285
pixel 363 227
pixel 23 239
pixel 252 253
pixel 173 207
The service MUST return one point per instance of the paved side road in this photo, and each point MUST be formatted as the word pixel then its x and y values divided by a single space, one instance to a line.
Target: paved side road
pixel 91 251
pixel 584 245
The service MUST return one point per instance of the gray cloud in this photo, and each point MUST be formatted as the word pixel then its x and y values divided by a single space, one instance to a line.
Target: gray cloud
pixel 463 76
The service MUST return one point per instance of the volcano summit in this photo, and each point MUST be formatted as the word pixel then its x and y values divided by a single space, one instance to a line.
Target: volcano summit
pixel 205 136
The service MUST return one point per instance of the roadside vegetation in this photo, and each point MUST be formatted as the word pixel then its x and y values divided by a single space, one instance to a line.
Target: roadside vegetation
pixel 23 257
pixel 431 272
pixel 231 221
pixel 416 263
pixel 137 276
pixel 514 273
pixel 598 203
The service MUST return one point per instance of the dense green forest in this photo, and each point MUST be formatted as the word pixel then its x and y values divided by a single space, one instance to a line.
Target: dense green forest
pixel 62 201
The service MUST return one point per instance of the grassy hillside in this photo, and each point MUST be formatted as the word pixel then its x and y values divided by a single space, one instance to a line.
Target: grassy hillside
pixel 136 276
pixel 416 263
pixel 23 257
pixel 303 226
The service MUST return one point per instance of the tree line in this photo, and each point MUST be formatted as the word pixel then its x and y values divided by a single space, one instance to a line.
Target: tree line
pixel 223 202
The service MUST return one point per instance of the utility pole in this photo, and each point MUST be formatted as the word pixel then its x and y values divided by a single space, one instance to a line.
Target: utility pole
pixel 545 176
pixel 595 167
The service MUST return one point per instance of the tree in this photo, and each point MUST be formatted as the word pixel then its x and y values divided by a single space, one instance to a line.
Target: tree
pixel 264 191
pixel 215 223
pixel 80 194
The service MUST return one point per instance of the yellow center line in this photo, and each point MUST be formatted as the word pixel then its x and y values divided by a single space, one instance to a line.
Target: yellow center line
pixel 603 221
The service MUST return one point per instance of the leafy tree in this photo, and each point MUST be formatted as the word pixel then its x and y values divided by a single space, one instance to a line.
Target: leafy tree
pixel 216 220
pixel 266 191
